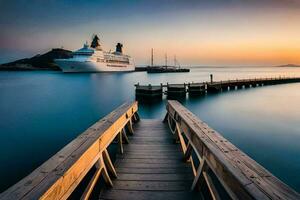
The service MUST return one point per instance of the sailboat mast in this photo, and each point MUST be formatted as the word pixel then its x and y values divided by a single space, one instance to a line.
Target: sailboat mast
pixel 166 60
pixel 152 57
pixel 174 60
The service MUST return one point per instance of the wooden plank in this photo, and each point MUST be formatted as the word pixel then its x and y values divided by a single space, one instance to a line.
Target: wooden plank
pixel 148 195
pixel 156 177
pixel 150 156
pixel 152 185
pixel 152 140
pixel 156 147
pixel 149 165
pixel 140 137
pixel 154 153
pixel 150 161
pixel 178 170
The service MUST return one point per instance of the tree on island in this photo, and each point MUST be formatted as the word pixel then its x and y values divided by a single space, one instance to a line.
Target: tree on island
pixel 95 42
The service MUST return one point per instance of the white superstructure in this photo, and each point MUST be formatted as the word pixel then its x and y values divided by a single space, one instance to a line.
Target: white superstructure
pixel 94 59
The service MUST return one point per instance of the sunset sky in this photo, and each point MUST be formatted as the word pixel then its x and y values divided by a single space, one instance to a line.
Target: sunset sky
pixel 212 32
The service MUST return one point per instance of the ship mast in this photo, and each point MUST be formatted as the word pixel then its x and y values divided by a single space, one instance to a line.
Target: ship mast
pixel 152 57
pixel 166 60
pixel 176 62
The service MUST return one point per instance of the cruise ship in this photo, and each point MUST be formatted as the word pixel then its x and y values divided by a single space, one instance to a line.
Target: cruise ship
pixel 91 58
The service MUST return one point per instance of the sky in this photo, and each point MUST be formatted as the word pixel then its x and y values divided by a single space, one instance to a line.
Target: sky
pixel 198 32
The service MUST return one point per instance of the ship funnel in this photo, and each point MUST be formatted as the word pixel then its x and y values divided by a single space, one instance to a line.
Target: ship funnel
pixel 96 43
pixel 119 47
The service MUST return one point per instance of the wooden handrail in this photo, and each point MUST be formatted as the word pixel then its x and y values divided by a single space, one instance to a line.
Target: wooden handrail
pixel 241 177
pixel 61 174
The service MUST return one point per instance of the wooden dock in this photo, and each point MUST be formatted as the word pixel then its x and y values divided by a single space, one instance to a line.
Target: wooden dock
pixel 172 91
pixel 149 92
pixel 180 157
pixel 176 90
pixel 151 166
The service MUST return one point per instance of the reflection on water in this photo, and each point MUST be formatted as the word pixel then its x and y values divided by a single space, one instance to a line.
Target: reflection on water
pixel 42 111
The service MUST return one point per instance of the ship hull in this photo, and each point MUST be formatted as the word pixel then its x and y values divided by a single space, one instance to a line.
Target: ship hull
pixel 69 66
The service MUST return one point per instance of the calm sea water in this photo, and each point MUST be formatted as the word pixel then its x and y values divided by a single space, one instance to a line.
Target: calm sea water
pixel 42 111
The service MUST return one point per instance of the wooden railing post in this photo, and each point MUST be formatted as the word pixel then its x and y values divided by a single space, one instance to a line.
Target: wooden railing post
pixel 130 126
pixel 120 137
pixel 100 170
pixel 199 179
pixel 88 190
pixel 125 135
pixel 136 117
pixel 105 174
pixel 109 164
pixel 188 152
pixel 212 189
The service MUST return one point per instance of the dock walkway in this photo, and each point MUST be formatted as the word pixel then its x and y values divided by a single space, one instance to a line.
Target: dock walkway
pixel 152 166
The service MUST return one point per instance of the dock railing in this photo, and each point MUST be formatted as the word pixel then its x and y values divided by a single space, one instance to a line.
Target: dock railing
pixel 58 177
pixel 239 175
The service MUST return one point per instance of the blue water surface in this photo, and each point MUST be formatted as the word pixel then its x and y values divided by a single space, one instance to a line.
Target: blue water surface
pixel 42 111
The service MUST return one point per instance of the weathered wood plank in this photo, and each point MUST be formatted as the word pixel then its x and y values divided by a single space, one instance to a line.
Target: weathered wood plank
pixel 150 161
pixel 152 140
pixel 145 185
pixel 178 170
pixel 155 151
pixel 149 165
pixel 152 147
pixel 148 195
pixel 151 156
pixel 155 177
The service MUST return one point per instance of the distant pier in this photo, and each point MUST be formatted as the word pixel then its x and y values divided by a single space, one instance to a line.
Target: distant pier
pixel 155 92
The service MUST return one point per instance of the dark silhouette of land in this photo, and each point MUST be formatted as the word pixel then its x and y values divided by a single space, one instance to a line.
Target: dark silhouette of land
pixel 38 62
pixel 288 65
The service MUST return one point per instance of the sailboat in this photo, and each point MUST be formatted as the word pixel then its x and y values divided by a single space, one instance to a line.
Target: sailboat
pixel 165 68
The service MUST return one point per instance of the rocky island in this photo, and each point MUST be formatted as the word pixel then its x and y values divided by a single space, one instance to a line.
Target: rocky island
pixel 38 62
pixel 288 65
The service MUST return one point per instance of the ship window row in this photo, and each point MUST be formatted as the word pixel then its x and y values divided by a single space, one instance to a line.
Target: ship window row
pixel 124 59
pixel 117 61
pixel 113 61
pixel 116 58
pixel 116 65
